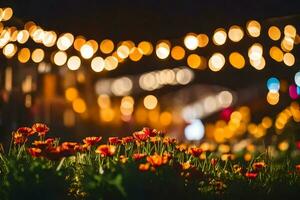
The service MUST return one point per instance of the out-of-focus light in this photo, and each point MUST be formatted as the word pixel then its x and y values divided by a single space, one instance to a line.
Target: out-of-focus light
pixel 274 33
pixel 276 54
pixel 106 46
pixel 287 44
pixel 103 101
pixel 123 51
pixel 237 60
pixel 145 47
pixel 24 55
pixel 255 52
pixel 65 41
pixel 107 115
pixel 273 98
pixel 258 64
pixel 235 33
pixel 273 84
pixel 135 54
pixel 289 59
pixel 253 28
pixel 97 64
pixel 191 41
pixel 121 86
pixel 162 50
pixel 86 51
pixel 71 94
pixel 194 131
pixel 79 105
pixel 127 105
pixel 60 58
pixel 216 62
pixel 79 42
pixel 74 63
pixel 184 76
pixel 202 40
pixel 194 61
pixel 297 79
pixel 225 99
pixel 111 63
pixel 293 91
pixel 37 55
pixel 165 118
pixel 49 38
pixel 93 44
pixel 150 102
pixel 290 31
pixel 6 14
pixel 22 36
pixel 177 53
pixel 220 36
pixel 69 118
pixel 9 50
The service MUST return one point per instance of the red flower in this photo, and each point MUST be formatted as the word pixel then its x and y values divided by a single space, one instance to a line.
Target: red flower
pixel 54 153
pixel 127 140
pixel 258 165
pixel 141 135
pixel 149 131
pixel 138 156
pixel 213 161
pixel 168 140
pixel 43 144
pixel 251 175
pixel 298 167
pixel 91 140
pixel 19 138
pixel 195 151
pixel 26 131
pixel 34 152
pixel 114 140
pixel 40 128
pixel 106 150
pixel 298 144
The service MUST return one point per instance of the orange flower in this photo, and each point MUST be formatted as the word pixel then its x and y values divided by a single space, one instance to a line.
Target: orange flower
pixel 181 147
pixel 141 135
pixel 259 165
pixel 185 165
pixel 155 139
pixel 251 175
pixel 144 167
pixel 195 151
pixel 40 128
pixel 155 160
pixel 26 131
pixel 168 140
pixel 91 140
pixel 19 138
pixel 138 156
pixel 106 150
pixel 114 140
pixel 34 152
pixel 237 168
pixel 127 139
pixel 43 144
pixel 123 159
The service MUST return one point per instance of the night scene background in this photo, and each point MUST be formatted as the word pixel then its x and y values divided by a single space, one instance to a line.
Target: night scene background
pixel 197 69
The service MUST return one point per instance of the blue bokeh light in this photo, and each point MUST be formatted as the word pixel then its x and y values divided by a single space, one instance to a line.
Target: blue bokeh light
pixel 273 84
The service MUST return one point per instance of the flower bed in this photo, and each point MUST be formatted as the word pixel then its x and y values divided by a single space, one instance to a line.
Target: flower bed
pixel 146 165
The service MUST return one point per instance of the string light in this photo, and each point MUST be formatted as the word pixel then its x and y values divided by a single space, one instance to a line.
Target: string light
pixel 97 64
pixel 235 33
pixel 191 41
pixel 220 36
pixel 74 63
pixel 216 62
pixel 162 50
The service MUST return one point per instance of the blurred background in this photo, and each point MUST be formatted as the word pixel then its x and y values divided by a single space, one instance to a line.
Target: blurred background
pixel 215 72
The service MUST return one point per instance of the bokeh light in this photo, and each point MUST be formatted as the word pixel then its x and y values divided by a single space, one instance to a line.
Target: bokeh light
pixel 24 55
pixel 276 54
pixel 235 33
pixel 177 53
pixel 237 60
pixel 60 58
pixel 162 50
pixel 220 36
pixel 297 79
pixel 273 84
pixel 274 33
pixel 150 102
pixel 253 28
pixel 191 41
pixel 97 64
pixel 106 46
pixel 37 55
pixel 194 61
pixel 74 63
pixel 202 40
pixel 289 59
pixel 216 62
